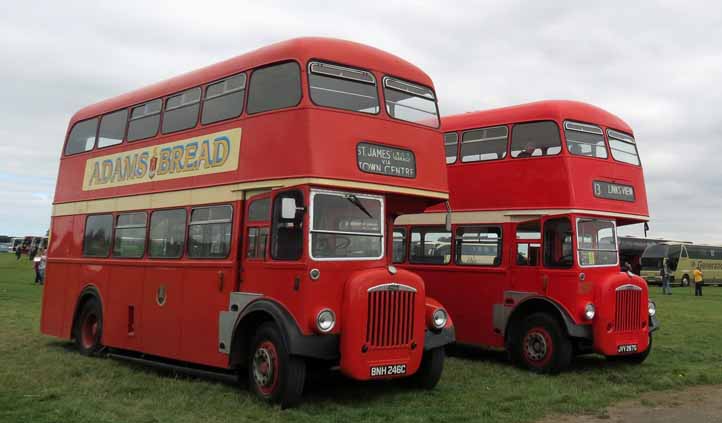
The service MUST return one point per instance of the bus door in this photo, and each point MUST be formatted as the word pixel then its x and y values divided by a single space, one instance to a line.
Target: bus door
pixel 274 230
pixel 526 258
pixel 558 278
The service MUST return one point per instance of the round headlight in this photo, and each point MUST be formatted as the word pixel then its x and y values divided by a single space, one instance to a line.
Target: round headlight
pixel 439 318
pixel 589 311
pixel 652 308
pixel 325 321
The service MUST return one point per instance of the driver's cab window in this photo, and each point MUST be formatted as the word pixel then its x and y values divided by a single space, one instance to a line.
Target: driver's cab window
pixel 528 243
pixel 258 218
pixel 558 243
pixel 287 226
pixel 399 251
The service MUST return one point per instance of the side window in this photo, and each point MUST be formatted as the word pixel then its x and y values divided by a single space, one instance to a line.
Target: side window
pixel 167 233
pixel 585 140
pixel 224 99
pixel 112 128
pixel 343 88
pixel 535 139
pixel 558 243
pixel 528 253
pixel 287 231
pixel 98 232
pixel 274 87
pixel 209 232
pixel 257 241
pixel 484 144
pixel 399 250
pixel 181 111
pixel 451 141
pixel 430 246
pixel 130 235
pixel 259 212
pixel 144 121
pixel 478 245
pixel 82 137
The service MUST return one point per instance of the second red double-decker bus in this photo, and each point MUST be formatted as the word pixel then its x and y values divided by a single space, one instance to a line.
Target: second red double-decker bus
pixel 237 217
pixel 531 262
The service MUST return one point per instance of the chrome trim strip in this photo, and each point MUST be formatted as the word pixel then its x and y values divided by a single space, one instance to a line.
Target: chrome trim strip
pixel 628 287
pixel 392 287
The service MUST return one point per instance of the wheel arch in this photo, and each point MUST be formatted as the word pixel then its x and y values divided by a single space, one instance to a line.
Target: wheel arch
pixel 533 305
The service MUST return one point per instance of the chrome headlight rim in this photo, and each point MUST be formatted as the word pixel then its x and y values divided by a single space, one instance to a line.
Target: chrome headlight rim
pixel 439 318
pixel 590 311
pixel 652 308
pixel 325 320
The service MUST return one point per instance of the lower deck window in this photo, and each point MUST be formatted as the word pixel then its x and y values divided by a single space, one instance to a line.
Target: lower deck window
pixel 167 233
pixel 98 232
pixel 130 235
pixel 478 245
pixel 209 232
pixel 430 246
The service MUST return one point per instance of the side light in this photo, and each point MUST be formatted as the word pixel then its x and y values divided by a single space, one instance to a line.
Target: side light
pixel 439 318
pixel 652 307
pixel 325 320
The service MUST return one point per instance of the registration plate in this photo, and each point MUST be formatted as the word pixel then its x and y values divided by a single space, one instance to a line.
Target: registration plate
pixel 627 348
pixel 390 370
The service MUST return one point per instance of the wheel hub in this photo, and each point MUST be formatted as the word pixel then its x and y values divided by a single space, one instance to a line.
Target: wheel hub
pixel 536 346
pixel 264 366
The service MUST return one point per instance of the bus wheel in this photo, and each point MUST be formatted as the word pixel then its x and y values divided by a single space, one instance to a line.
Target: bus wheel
pixel 542 346
pixel 274 375
pixel 685 280
pixel 429 373
pixel 89 328
pixel 633 358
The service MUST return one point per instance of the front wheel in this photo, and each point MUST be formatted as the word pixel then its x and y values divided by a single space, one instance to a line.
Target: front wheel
pixel 275 375
pixel 541 345
pixel 429 373
pixel 89 328
pixel 633 358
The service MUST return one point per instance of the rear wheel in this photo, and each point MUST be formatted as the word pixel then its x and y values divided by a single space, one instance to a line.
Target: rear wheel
pixel 541 345
pixel 273 374
pixel 89 328
pixel 429 373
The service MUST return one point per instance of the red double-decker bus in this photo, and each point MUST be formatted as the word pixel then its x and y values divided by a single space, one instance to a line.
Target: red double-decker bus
pixel 531 262
pixel 238 216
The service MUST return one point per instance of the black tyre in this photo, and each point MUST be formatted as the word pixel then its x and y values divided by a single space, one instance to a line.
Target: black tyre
pixel 541 345
pixel 273 374
pixel 429 373
pixel 685 280
pixel 89 328
pixel 633 358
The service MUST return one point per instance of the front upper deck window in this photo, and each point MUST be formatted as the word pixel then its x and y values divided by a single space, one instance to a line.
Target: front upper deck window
pixel 410 102
pixel 451 141
pixel 274 87
pixel 82 137
pixel 346 226
pixel 484 144
pixel 585 140
pixel 596 242
pixel 343 88
pixel 623 147
pixel 535 139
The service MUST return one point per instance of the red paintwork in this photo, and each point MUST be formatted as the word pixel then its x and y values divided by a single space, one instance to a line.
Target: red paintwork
pixel 303 141
pixel 557 182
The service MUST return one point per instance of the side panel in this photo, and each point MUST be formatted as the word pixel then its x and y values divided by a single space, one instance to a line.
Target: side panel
pixel 122 324
pixel 162 302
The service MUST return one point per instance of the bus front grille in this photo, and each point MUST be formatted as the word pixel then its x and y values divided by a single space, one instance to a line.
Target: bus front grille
pixel 390 315
pixel 628 308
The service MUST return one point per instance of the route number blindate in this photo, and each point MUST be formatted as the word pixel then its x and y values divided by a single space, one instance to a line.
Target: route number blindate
pixel 391 370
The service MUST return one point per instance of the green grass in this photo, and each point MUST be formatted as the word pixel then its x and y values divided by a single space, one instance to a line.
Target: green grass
pixel 43 379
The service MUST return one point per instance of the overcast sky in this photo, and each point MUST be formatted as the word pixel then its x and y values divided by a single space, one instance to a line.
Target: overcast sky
pixel 658 66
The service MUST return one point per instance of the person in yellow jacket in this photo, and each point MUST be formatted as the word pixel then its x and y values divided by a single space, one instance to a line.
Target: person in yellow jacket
pixel 698 282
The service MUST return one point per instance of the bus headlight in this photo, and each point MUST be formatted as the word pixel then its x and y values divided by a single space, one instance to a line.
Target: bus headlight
pixel 325 320
pixel 652 307
pixel 589 311
pixel 439 318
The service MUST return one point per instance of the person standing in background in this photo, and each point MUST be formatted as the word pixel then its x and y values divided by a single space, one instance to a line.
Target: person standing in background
pixel 41 265
pixel 18 252
pixel 36 265
pixel 666 288
pixel 698 281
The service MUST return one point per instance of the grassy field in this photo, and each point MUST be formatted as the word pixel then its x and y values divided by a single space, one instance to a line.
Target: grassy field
pixel 44 380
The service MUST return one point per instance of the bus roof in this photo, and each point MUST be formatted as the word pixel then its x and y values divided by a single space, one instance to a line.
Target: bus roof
pixel 301 49
pixel 539 110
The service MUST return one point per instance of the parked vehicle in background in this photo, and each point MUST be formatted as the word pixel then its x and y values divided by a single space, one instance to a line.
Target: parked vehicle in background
pixel 238 217
pixel 682 258
pixel 6 247
pixel 531 263
pixel 17 243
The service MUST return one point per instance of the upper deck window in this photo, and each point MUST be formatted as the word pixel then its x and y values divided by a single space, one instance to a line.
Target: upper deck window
pixel 144 120
pixel 274 87
pixel 82 137
pixel 410 102
pixel 112 128
pixel 451 141
pixel 343 88
pixel 224 99
pixel 623 147
pixel 181 111
pixel 484 144
pixel 585 140
pixel 535 139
